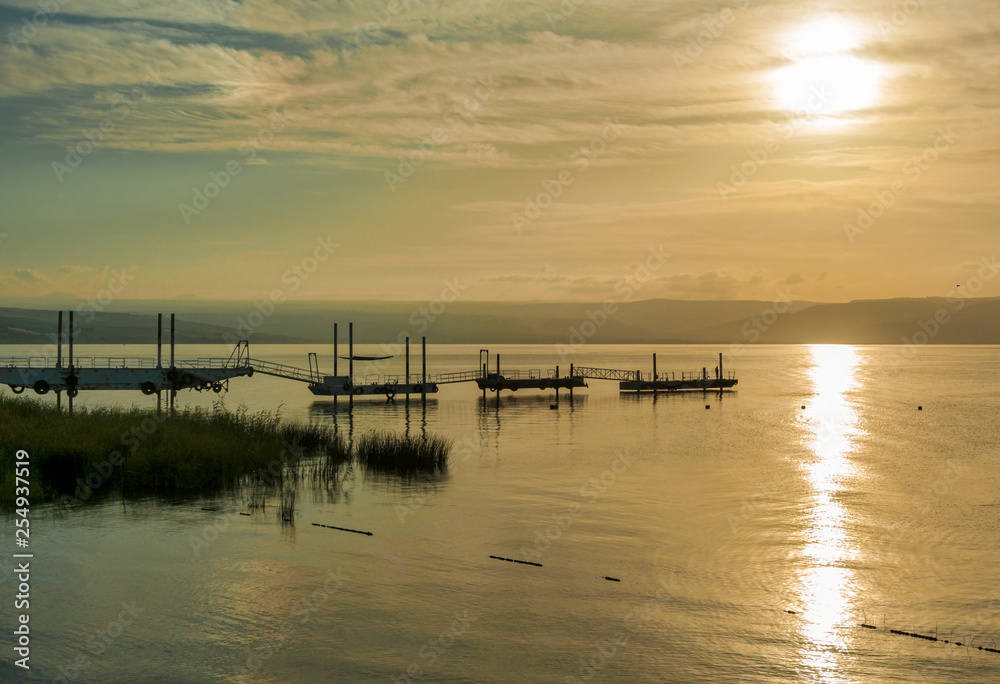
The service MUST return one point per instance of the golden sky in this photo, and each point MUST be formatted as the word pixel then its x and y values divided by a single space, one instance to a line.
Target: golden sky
pixel 524 150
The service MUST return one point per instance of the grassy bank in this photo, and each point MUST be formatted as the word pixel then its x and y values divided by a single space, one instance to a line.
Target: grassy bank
pixel 99 452
pixel 397 454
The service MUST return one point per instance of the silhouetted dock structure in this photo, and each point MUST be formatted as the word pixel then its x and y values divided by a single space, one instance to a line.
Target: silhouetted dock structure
pixel 43 374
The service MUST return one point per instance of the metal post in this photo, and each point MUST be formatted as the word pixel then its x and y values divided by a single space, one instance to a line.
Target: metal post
pixel 159 340
pixel 720 375
pixel 59 344
pixel 350 356
pixel 71 370
pixel 407 367
pixel 638 381
pixel 173 384
pixel 655 378
pixel 423 372
pixel 571 384
pixel 557 384
pixel 335 362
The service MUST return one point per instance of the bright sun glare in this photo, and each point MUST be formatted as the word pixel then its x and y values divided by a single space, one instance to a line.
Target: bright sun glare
pixel 826 79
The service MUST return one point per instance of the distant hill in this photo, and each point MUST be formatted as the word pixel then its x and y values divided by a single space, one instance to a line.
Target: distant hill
pixel 36 326
pixel 660 321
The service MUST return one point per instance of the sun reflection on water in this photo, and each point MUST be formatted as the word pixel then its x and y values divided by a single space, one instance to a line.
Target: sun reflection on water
pixel 827 581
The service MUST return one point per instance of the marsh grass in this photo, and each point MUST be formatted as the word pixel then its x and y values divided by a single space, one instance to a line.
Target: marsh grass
pixel 94 453
pixel 383 452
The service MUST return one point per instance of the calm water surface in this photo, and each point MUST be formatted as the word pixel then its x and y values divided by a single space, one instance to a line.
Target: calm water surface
pixel 856 508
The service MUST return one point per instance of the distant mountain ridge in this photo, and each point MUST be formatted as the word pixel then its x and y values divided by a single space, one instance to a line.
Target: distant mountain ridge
pixel 931 320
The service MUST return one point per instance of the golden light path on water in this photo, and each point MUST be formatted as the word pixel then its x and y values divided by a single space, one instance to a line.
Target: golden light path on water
pixel 827 584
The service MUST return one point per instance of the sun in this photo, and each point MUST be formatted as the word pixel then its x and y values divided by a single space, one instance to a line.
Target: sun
pixel 825 78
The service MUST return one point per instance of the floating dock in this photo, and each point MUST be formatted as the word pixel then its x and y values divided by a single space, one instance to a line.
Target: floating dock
pixel 153 376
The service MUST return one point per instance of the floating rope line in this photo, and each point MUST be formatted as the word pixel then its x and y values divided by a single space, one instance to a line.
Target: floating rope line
pixel 514 560
pixel 343 529
pixel 925 637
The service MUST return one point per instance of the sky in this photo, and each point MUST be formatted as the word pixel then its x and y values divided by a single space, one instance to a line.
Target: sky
pixel 497 150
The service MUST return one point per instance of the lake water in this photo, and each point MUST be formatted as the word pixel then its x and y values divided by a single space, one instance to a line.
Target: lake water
pixel 856 508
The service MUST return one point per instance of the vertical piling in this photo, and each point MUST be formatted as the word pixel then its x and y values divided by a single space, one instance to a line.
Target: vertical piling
pixel 173 384
pixel 71 369
pixel 655 377
pixel 335 336
pixel 423 371
pixel 350 356
pixel 557 384
pixel 407 368
pixel 638 381
pixel 59 343
pixel 571 384
pixel 720 374
pixel 159 340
